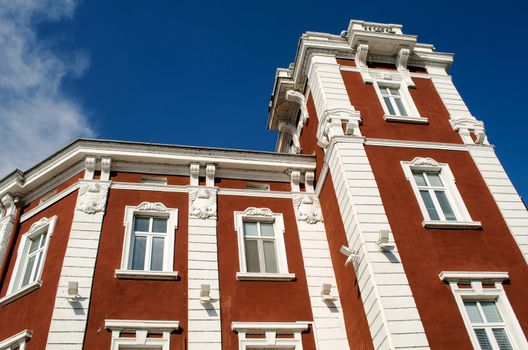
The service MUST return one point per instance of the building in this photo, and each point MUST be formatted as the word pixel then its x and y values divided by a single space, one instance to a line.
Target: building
pixel 383 221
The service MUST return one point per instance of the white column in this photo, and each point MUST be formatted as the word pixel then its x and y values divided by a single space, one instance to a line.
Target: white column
pixel 204 328
pixel 329 325
pixel 69 318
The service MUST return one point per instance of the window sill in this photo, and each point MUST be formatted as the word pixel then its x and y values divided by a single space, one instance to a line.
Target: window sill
pixel 255 276
pixel 20 293
pixel 408 119
pixel 456 225
pixel 146 275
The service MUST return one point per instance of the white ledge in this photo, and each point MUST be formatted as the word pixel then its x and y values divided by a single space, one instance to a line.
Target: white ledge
pixel 20 293
pixel 146 275
pixel 408 119
pixel 261 327
pixel 456 225
pixel 255 276
pixel 16 339
pixel 468 276
pixel 152 326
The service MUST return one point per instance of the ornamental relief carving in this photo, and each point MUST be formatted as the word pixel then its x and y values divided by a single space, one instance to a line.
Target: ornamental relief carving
pixel 148 206
pixel 419 161
pixel 92 198
pixel 202 203
pixel 252 211
pixel 308 209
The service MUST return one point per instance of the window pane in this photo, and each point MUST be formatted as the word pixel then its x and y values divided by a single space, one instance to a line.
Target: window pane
pixel 490 311
pixel 266 230
pixel 252 258
pixel 433 215
pixel 270 258
pixel 141 224
pixel 394 91
pixel 473 312
pixel 446 207
pixel 250 229
pixel 27 273
pixel 388 103
pixel 419 178
pixel 156 263
pixel 434 179
pixel 39 261
pixel 399 104
pixel 483 340
pixel 159 225
pixel 34 244
pixel 502 339
pixel 138 257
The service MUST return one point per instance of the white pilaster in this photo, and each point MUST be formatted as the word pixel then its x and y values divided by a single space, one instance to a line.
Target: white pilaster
pixel 329 325
pixel 6 223
pixel 204 328
pixel 70 315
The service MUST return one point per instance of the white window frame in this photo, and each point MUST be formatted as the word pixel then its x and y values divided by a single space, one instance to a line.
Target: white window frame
pixel 270 331
pixel 476 292
pixel 157 210
pixel 15 290
pixel 413 116
pixel 253 214
pixel 464 220
pixel 141 329
pixel 18 340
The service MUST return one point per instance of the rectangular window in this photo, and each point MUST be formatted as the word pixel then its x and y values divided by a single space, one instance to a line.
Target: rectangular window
pixel 33 259
pixel 488 325
pixel 393 100
pixel 261 252
pixel 433 195
pixel 148 242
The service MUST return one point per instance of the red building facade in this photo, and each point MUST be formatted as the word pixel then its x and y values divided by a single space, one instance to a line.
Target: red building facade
pixel 384 220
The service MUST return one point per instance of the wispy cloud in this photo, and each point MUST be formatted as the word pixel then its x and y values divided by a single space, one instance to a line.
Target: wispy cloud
pixel 36 116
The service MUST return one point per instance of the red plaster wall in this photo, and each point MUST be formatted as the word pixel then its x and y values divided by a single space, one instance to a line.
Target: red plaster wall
pixel 308 139
pixel 356 324
pixel 427 252
pixel 136 178
pixel 261 301
pixel 33 311
pixel 59 188
pixel 364 99
pixel 136 299
pixel 241 184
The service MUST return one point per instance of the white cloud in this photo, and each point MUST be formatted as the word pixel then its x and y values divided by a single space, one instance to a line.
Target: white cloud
pixel 36 117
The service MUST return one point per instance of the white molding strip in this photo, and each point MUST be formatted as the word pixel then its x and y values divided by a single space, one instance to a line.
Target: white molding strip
pixel 416 144
pixel 327 314
pixel 16 341
pixel 469 276
pixel 279 327
pixel 69 318
pixel 49 202
pixel 508 200
pixel 150 325
pixel 204 327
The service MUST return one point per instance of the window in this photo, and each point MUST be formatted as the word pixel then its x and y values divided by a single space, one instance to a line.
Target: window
pixel 397 102
pixel 140 335
pixel 31 256
pixel 489 318
pixel 264 335
pixel 261 245
pixel 487 323
pixel 148 251
pixel 393 100
pixel 18 341
pixel 438 198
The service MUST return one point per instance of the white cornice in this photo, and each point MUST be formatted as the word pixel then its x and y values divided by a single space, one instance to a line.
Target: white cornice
pixel 151 326
pixel 469 276
pixel 261 327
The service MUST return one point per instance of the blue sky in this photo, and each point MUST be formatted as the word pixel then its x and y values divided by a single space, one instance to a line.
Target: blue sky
pixel 201 73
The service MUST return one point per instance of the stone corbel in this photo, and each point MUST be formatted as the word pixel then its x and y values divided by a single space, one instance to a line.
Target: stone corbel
pixel 8 202
pixel 468 126
pixel 401 65
pixel 332 123
pixel 297 97
pixel 210 171
pixel 194 169
pixel 361 63
pixel 289 129
pixel 106 163
pixel 295 179
pixel 89 164
pixel 309 178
